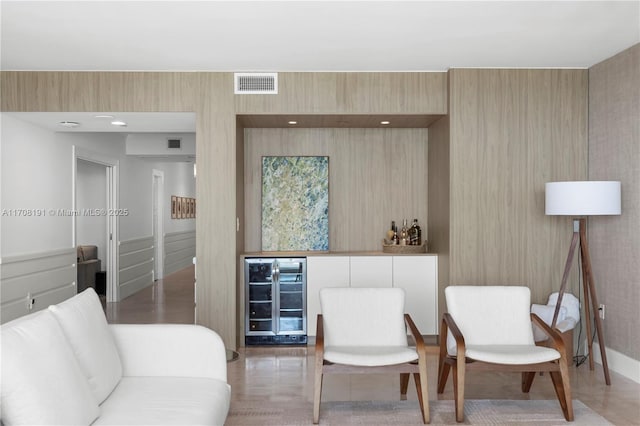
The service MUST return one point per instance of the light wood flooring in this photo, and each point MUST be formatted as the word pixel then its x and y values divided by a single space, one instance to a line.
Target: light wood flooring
pixel 267 374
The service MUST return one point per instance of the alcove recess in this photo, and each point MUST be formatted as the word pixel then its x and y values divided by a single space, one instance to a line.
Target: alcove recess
pixel 377 172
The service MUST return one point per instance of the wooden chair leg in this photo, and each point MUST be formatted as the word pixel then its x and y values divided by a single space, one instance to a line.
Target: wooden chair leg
pixel 421 388
pixel 527 380
pixel 317 392
pixel 443 374
pixel 562 386
pixel 458 388
pixel 404 385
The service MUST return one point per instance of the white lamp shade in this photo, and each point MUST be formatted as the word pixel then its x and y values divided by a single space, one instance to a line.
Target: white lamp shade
pixel 583 198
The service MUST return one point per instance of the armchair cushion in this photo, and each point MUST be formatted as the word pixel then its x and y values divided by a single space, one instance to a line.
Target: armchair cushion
pixel 85 326
pixel 375 318
pixel 490 315
pixel 511 354
pixel 370 355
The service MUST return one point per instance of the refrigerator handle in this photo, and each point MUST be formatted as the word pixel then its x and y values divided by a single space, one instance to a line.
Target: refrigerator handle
pixel 276 272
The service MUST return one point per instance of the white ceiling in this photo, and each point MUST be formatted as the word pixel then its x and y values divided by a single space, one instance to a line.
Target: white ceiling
pixel 312 35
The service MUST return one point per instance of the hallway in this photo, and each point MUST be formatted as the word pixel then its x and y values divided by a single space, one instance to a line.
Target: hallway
pixel 168 300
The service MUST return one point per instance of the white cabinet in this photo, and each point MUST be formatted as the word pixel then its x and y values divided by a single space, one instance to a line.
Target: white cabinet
pixel 323 271
pixel 371 271
pixel 418 276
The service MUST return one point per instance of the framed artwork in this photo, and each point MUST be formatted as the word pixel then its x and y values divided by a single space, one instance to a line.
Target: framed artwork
pixel 295 203
pixel 183 207
pixel 174 207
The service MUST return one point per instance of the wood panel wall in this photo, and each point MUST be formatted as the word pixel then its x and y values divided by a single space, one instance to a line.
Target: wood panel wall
pixel 439 200
pixel 375 176
pixel 511 131
pixel 210 96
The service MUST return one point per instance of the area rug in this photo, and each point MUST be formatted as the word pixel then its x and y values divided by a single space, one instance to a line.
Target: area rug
pixel 477 412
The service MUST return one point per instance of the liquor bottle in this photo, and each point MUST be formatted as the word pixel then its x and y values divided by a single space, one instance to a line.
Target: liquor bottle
pixel 415 234
pixel 394 239
pixel 404 236
pixel 391 231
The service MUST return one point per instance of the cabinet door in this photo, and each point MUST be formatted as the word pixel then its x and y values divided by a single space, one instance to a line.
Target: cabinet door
pixel 371 271
pixel 323 271
pixel 418 276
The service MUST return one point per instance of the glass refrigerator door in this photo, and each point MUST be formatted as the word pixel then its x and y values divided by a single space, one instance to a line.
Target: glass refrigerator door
pixel 260 313
pixel 291 302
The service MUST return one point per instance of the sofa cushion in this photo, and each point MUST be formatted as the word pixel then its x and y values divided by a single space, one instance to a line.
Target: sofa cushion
pixel 83 322
pixel 42 382
pixel 166 401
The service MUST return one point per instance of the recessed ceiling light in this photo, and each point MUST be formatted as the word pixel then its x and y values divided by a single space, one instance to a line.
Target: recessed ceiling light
pixel 104 116
pixel 293 122
pixel 119 123
pixel 70 124
pixel 385 122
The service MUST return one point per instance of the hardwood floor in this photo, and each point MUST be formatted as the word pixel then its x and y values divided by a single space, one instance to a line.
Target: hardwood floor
pixel 264 374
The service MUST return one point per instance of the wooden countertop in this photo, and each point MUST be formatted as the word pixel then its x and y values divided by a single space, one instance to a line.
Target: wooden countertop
pixel 328 253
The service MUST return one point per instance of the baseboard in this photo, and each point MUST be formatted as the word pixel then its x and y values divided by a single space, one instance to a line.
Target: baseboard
pixel 618 362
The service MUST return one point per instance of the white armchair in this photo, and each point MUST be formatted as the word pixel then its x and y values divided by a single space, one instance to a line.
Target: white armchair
pixel 489 328
pixel 362 330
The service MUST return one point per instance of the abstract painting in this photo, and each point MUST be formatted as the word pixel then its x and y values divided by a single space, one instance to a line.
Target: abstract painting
pixel 295 203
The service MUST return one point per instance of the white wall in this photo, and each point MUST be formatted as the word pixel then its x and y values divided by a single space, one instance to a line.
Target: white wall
pixel 91 193
pixel 155 144
pixel 179 181
pixel 36 173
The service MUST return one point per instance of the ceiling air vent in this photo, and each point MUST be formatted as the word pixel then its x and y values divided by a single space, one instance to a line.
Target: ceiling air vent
pixel 251 83
pixel 174 143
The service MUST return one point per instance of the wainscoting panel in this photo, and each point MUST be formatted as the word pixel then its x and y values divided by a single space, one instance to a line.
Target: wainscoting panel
pixel 33 282
pixel 179 250
pixel 136 265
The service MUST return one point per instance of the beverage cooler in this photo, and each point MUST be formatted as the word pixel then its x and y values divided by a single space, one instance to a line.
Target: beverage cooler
pixel 275 301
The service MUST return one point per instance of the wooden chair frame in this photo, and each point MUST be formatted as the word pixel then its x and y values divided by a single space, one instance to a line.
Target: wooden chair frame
pixel 418 369
pixel 558 369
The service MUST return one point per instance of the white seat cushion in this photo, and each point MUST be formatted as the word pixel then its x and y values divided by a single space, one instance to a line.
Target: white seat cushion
pixel 85 325
pixel 166 401
pixel 370 355
pixel 511 354
pixel 42 382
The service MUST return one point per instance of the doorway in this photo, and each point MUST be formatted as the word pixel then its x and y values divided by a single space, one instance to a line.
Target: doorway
pixel 93 162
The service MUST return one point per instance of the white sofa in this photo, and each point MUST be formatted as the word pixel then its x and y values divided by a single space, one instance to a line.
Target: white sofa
pixel 65 365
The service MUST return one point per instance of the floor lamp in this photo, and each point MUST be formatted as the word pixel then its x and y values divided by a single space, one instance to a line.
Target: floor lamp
pixel 581 199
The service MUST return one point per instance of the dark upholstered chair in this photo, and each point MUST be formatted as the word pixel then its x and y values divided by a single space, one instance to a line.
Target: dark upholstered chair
pixel 88 264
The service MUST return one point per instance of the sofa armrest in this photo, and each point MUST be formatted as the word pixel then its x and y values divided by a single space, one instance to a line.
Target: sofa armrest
pixel 173 350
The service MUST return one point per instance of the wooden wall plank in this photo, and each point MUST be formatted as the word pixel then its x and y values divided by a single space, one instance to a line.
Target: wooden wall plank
pixel 439 200
pixel 512 131
pixel 375 176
